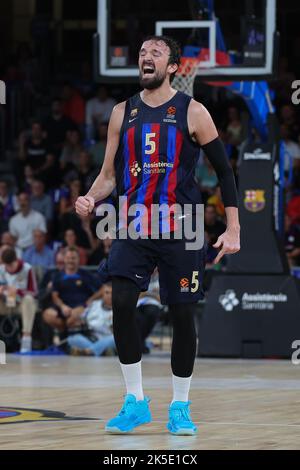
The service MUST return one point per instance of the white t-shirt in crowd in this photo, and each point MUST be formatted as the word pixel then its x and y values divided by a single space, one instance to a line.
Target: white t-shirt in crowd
pixel 22 227
pixel 291 152
pixel 99 111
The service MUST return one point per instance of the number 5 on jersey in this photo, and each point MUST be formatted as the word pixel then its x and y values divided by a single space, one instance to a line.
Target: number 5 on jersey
pixel 150 142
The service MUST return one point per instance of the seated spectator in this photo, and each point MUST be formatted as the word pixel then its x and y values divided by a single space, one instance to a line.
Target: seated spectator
pixel 3 221
pixel 288 118
pixel 234 126
pixel 293 208
pixel 73 290
pixel 149 310
pixel 25 221
pixel 70 240
pixel 8 240
pixel 98 109
pixel 291 149
pixel 46 284
pixel 28 179
pixel 98 149
pixel 292 241
pixel 40 201
pixel 72 147
pixel 86 171
pixel 73 104
pixel 102 252
pixel 57 126
pixel 39 254
pixel 96 321
pixel 18 289
pixel 35 152
pixel 8 201
pixel 66 203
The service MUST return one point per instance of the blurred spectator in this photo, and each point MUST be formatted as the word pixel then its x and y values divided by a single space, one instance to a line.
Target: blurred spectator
pixel 56 126
pixel 212 225
pixel 216 200
pixel 8 200
pixel 73 104
pixel 71 150
pixel 86 171
pixel 291 148
pixel 234 126
pixel 70 241
pixel 34 150
pixel 293 208
pixel 8 240
pixel 292 241
pixel 98 109
pixel 25 221
pixel 18 289
pixel 67 202
pixel 97 319
pixel 3 221
pixel 39 254
pixel 98 149
pixel 73 290
pixel 46 284
pixel 40 201
pixel 28 179
pixel 289 118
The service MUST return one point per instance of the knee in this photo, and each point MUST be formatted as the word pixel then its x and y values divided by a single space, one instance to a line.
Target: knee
pixel 28 300
pixel 49 315
pixel 182 315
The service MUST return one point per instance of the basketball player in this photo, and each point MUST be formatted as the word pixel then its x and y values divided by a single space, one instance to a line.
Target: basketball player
pixel 159 125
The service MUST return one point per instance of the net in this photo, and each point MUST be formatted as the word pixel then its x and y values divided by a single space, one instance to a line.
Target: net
pixel 186 74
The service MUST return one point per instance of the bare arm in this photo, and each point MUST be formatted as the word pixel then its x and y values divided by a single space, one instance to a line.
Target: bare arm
pixel 105 182
pixel 203 130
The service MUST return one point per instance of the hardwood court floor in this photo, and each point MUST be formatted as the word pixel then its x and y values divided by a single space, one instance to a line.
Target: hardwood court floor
pixel 238 404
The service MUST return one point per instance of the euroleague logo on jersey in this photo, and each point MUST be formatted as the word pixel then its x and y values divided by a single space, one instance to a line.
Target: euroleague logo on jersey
pixel 171 114
pixel 184 284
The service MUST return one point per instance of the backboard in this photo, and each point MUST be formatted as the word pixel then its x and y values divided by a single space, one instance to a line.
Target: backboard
pixel 232 39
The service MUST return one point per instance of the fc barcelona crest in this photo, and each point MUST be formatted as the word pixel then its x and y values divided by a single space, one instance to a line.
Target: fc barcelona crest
pixel 254 200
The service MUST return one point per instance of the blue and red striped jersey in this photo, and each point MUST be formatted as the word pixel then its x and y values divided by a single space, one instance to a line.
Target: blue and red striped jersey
pixel 156 158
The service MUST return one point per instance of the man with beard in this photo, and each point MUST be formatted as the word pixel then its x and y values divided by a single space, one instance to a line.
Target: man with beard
pixel 152 149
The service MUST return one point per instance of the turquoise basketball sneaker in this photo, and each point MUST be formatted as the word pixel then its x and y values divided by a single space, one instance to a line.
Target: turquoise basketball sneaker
pixel 132 414
pixel 180 422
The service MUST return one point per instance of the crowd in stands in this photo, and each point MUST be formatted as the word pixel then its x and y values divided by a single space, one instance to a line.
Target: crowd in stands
pixel 49 255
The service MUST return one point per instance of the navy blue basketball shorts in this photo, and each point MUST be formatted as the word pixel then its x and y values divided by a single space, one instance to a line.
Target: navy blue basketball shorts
pixel 181 271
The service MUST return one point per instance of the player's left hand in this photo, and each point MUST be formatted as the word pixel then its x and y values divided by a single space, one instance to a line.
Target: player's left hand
pixel 229 242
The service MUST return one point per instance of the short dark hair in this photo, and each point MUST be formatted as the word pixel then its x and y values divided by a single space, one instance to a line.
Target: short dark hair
pixel 175 52
pixel 8 256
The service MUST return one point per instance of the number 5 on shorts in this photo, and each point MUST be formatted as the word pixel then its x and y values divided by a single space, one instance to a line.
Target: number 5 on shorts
pixel 195 281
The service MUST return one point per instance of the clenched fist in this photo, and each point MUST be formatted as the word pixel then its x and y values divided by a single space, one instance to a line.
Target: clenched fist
pixel 84 205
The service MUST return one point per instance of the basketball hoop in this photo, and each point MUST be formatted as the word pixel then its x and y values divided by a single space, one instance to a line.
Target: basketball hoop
pixel 186 74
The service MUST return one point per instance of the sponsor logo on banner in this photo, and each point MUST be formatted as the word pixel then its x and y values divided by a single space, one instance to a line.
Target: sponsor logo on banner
pixel 229 300
pixel 257 154
pixel 257 301
pixel 254 200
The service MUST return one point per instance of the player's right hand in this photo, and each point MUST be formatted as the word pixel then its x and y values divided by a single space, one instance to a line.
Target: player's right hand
pixel 84 205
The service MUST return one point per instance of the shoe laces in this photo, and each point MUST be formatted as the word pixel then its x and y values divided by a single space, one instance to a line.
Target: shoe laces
pixel 182 412
pixel 127 407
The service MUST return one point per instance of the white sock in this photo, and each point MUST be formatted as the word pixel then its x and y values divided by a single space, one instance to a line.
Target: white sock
pixel 181 388
pixel 132 374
